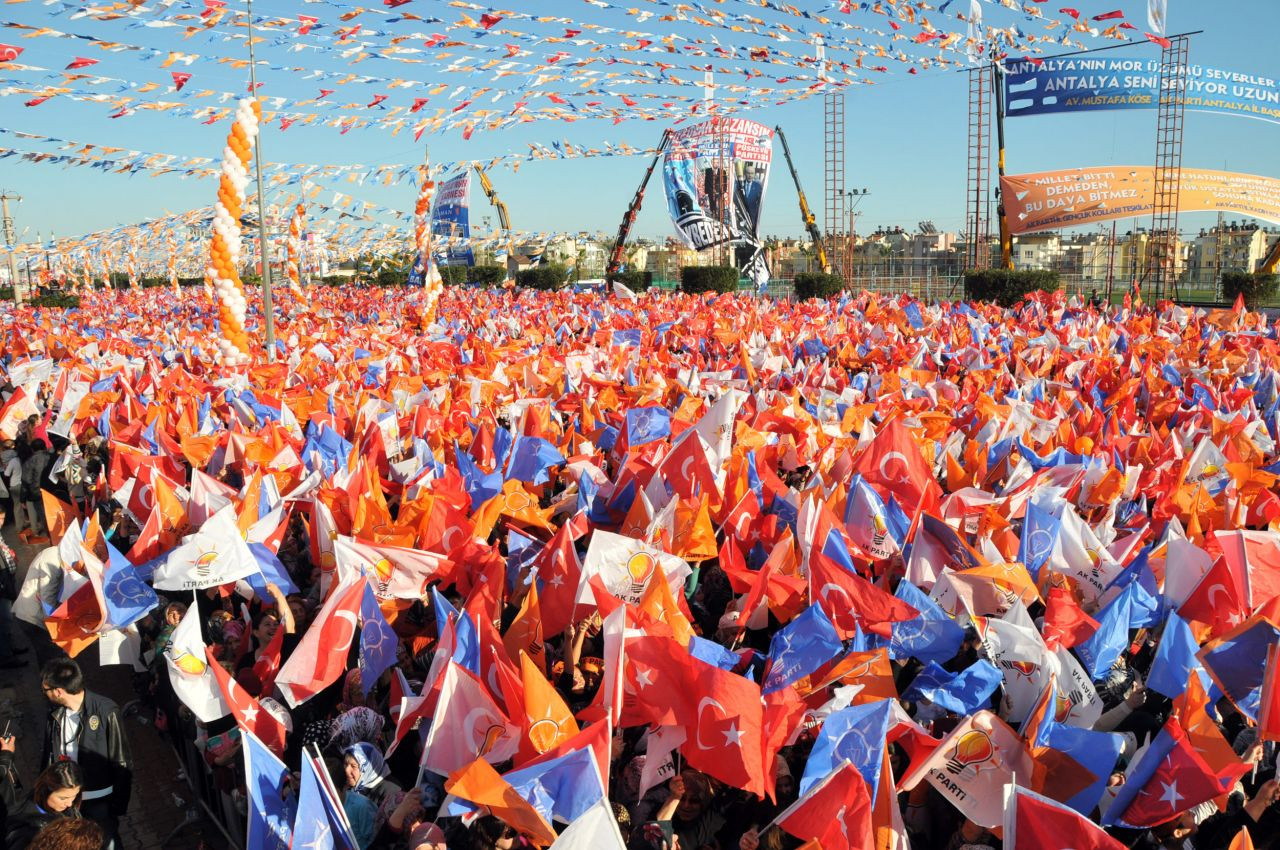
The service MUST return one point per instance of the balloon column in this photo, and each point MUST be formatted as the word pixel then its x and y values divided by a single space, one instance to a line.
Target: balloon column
pixel 131 266
pixel 294 247
pixel 431 281
pixel 224 252
pixel 171 246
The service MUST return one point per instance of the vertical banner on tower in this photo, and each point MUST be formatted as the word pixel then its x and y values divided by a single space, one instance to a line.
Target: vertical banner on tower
pixel 451 222
pixel 715 174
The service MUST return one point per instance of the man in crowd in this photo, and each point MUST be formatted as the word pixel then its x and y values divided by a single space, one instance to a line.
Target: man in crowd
pixel 85 727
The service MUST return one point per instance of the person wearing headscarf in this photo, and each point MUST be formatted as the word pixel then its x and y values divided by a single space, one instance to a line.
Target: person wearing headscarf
pixel 355 725
pixel 366 772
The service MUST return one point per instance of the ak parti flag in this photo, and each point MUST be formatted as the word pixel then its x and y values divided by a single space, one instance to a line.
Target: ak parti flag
pixel 548 722
pixel 972 766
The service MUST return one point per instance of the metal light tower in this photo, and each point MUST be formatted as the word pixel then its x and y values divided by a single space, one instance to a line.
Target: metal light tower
pixel 268 313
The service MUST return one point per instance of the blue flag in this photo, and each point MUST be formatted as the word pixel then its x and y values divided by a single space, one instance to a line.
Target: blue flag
pixel 1104 646
pixel 963 693
pixel 1040 531
pixel 269 570
pixel 800 648
pixel 715 654
pixel 1237 661
pixel 377 641
pixel 128 598
pixel 480 487
pixel 933 636
pixel 1096 752
pixel 559 789
pixel 321 821
pixel 466 638
pixel 531 457
pixel 856 734
pixel 272 803
pixel 1175 658
pixel 646 424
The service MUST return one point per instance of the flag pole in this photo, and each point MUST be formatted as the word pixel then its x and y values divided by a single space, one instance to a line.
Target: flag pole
pixel 268 312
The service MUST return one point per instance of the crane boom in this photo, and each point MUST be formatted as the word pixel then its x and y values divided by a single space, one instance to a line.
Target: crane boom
pixel 617 255
pixel 1272 261
pixel 504 220
pixel 806 214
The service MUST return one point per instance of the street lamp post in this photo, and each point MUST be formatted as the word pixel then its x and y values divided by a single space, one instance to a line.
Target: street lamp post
pixel 268 312
pixel 852 198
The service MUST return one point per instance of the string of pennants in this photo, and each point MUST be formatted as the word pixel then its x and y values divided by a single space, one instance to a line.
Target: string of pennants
pixel 536 66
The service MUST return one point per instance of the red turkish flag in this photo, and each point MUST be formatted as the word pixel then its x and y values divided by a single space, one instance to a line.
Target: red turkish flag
pixel 81 62
pixel 560 571
pixel 1065 622
pixel 179 79
pixel 836 812
pixel 725 736
pixel 850 600
pixel 1218 600
pixel 893 463
pixel 246 710
pixel 1032 822
pixel 1108 16
pixel 321 656
pixel 686 468
pixel 10 52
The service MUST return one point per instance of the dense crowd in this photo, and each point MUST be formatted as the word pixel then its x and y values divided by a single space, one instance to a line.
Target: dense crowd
pixel 656 572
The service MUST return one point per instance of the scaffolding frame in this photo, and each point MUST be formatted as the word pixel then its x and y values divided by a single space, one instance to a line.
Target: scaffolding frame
pixel 1170 121
pixel 834 216
pixel 978 171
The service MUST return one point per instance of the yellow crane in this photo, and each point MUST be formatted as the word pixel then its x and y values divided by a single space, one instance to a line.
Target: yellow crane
pixel 504 219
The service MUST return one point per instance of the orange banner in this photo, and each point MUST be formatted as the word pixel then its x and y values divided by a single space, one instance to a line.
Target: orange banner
pixel 1050 200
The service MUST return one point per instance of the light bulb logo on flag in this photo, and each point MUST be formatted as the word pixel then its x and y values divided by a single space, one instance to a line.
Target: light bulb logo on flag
pixel 640 567
pixel 204 564
pixel 972 750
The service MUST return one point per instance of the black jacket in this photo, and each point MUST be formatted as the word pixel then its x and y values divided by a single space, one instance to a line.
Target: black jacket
pixel 23 823
pixel 104 749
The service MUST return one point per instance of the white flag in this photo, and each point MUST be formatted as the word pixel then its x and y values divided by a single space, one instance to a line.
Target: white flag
pixel 214 555
pixel 1158 16
pixel 189 671
pixel 625 565
pixel 594 829
pixel 1023 660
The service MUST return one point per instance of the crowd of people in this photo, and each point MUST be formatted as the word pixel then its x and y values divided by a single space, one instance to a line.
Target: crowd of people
pixel 655 571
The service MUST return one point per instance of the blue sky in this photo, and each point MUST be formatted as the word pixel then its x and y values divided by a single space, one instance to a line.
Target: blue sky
pixel 906 136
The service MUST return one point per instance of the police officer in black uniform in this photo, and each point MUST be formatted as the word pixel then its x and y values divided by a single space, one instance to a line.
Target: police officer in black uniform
pixel 85 727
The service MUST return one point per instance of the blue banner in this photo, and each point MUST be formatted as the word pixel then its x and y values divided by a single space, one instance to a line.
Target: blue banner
pixel 1093 83
pixel 451 222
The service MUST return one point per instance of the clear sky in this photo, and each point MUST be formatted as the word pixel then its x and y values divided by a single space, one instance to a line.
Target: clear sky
pixel 906 136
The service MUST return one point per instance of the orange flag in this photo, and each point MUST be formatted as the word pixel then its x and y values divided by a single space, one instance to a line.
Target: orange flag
pixel 525 631
pixel 658 604
pixel 58 515
pixel 547 720
pixel 480 784
pixel 1242 841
